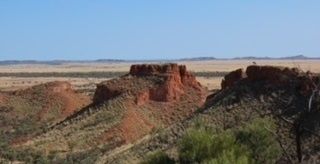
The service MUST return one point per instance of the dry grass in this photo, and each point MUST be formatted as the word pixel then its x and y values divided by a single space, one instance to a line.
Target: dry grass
pixel 14 83
pixel 197 66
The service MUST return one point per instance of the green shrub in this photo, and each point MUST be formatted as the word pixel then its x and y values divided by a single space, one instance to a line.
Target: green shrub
pixel 158 157
pixel 201 145
pixel 253 143
pixel 230 156
pixel 260 141
pixel 195 145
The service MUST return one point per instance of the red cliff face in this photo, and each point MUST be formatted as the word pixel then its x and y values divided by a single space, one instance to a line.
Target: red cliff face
pixel 231 78
pixel 276 76
pixel 152 95
pixel 174 80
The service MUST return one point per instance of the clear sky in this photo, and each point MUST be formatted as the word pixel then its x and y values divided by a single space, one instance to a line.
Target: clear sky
pixel 162 29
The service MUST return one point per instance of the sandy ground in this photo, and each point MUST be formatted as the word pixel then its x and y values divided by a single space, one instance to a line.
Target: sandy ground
pixel 197 66
pixel 13 83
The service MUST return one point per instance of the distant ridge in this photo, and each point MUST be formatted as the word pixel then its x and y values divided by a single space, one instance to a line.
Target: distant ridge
pixel 297 57
pixel 59 62
pixel 198 59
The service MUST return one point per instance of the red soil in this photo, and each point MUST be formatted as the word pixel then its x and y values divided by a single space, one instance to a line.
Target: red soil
pixel 54 95
pixel 132 127
pixel 157 95
pixel 3 98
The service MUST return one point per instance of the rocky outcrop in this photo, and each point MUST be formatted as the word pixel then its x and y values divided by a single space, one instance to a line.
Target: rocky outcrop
pixel 59 86
pixel 152 96
pixel 104 93
pixel 176 78
pixel 3 98
pixel 233 77
pixel 168 83
pixel 154 69
pixel 273 76
pixel 171 71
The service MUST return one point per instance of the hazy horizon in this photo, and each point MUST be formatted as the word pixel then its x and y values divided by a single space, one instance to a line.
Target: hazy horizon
pixel 295 57
pixel 148 30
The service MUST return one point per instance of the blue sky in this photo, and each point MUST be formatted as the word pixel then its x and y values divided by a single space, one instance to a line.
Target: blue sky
pixel 164 29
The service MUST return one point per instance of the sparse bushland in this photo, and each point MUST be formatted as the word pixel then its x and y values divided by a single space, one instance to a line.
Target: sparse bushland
pixel 203 145
pixel 158 157
pixel 252 143
pixel 94 74
pixel 37 157
pixel 26 155
pixel 65 74
pixel 260 141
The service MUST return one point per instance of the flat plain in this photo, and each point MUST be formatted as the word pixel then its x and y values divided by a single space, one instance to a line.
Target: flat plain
pixel 10 82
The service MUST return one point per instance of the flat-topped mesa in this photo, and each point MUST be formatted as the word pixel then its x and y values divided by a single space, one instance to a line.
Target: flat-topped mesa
pixel 176 80
pixel 272 75
pixel 155 69
pixel 172 71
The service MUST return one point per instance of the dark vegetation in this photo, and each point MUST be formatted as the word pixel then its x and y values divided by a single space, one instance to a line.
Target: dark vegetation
pixel 252 143
pixel 250 122
pixel 9 154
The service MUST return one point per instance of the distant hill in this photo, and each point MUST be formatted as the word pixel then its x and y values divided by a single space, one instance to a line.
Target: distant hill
pixel 198 59
pixel 59 62
pixel 252 58
pixel 297 57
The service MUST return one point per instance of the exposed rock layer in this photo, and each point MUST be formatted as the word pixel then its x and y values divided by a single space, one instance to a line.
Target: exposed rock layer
pixel 154 95
pixel 173 80
pixel 232 78
pixel 275 76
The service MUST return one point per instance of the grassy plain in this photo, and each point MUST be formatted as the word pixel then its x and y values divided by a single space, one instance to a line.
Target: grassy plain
pixel 84 83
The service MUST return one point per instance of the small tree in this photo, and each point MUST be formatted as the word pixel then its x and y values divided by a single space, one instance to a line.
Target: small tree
pixel 158 157
pixel 205 146
pixel 260 141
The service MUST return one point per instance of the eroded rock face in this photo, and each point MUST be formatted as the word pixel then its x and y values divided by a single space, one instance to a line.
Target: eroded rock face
pixel 59 86
pixel 275 76
pixel 151 96
pixel 233 77
pixel 174 79
pixel 3 98
pixel 153 69
pixel 104 93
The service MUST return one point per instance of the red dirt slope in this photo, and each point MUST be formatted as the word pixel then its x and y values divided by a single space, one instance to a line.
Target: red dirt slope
pixel 53 95
pixel 156 96
pixel 37 107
